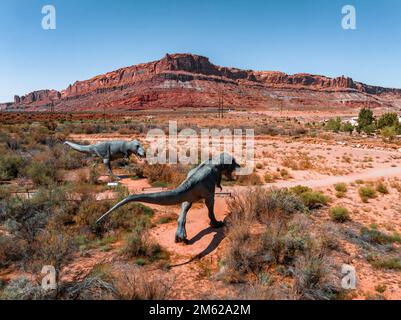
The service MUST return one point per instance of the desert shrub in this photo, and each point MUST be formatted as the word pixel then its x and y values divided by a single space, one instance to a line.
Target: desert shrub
pixel 130 216
pixel 12 249
pixel 243 253
pixel 67 158
pixel 286 244
pixel 329 238
pixel 365 120
pixel 382 188
pixel 297 131
pixel 166 218
pixel 283 201
pixel 263 205
pixel 347 127
pixel 366 193
pixel 285 174
pixel 333 124
pixel 21 289
pixel 283 242
pixel 252 179
pixel 312 278
pixel 270 177
pixel 51 247
pixel 165 173
pixel 42 173
pixel 339 214
pixel 298 190
pixel 388 133
pixel 137 285
pixel 98 285
pixel 94 175
pixel 375 236
pixel 314 199
pixel 29 216
pixel 341 187
pixel 389 263
pixel 300 161
pixel 247 253
pixel 259 166
pixel 89 211
pixel 138 244
pixel 11 165
pixel 388 120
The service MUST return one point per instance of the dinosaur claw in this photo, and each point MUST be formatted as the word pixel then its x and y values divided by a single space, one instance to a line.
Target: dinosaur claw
pixel 181 240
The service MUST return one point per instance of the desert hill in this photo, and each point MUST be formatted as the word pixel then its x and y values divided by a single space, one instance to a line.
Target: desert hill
pixel 188 80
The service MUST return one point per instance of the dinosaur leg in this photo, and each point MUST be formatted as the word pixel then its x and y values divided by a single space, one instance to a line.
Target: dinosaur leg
pixel 108 167
pixel 181 234
pixel 210 207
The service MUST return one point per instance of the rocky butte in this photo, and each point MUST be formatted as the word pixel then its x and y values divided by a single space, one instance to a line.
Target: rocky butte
pixel 188 80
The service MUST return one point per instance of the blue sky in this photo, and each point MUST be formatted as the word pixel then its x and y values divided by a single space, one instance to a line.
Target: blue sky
pixel 292 36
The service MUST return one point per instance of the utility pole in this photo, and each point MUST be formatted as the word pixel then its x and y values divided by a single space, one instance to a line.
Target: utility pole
pixel 221 101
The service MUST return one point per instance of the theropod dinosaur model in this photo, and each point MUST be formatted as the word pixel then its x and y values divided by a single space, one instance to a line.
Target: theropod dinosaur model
pixel 111 150
pixel 200 184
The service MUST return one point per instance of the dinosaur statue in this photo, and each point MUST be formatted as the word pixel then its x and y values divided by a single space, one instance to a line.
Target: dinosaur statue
pixel 111 150
pixel 199 184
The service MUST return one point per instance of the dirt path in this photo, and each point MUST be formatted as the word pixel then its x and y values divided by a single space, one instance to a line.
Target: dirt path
pixel 328 181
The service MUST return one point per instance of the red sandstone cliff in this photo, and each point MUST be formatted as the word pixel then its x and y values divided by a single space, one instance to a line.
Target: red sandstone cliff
pixel 186 80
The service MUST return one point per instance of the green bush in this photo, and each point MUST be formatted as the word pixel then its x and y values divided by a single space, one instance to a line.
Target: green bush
pixel 138 244
pixel 341 187
pixel 339 214
pixel 366 193
pixel 298 190
pixel 11 165
pixel 333 124
pixel 388 120
pixel 314 199
pixel 375 236
pixel 382 188
pixel 365 121
pixel 311 199
pixel 386 263
pixel 42 173
pixel 347 127
pixel 388 133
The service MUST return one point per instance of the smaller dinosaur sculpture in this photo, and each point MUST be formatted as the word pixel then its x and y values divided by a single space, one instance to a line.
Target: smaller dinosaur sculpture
pixel 111 150
pixel 200 184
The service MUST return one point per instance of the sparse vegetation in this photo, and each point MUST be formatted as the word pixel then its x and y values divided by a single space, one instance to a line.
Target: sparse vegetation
pixel 285 242
pixel 382 188
pixel 339 214
pixel 311 199
pixel 366 193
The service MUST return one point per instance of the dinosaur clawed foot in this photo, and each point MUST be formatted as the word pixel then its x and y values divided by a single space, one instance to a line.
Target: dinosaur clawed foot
pixel 216 224
pixel 179 239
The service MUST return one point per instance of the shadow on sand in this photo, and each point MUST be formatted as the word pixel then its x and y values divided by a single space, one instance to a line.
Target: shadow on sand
pixel 219 235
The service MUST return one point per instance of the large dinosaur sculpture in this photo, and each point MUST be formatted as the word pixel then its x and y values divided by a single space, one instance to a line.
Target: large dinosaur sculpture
pixel 111 150
pixel 200 184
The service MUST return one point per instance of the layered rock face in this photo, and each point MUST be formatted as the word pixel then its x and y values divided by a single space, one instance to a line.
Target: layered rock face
pixel 187 80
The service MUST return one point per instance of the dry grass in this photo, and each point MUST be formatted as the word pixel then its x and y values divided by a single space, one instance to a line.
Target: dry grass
pixel 267 230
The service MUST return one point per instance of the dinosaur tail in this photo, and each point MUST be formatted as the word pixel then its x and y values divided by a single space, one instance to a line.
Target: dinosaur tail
pixel 162 198
pixel 79 147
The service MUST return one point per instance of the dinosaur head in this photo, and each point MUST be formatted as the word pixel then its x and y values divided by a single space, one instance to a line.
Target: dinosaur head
pixel 226 164
pixel 138 149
